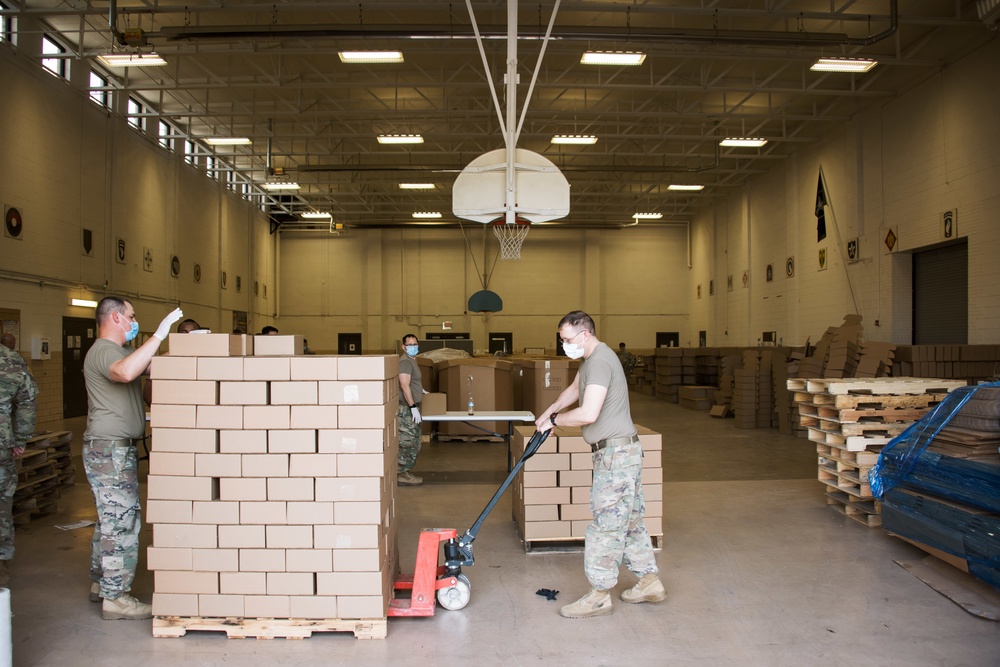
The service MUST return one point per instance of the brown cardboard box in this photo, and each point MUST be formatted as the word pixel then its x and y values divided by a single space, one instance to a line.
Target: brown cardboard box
pixel 357 513
pixel 241 393
pixel 185 440
pixel 268 513
pixel 315 606
pixel 362 606
pixel 267 606
pixel 277 346
pixel 175 604
pixel 309 560
pixel 243 488
pixel 294 393
pixel 575 513
pixel 160 558
pixel 428 374
pixel 540 478
pixel 173 416
pixel 541 513
pixel 367 367
pixel 220 368
pixel 215 512
pixel 220 606
pixel 272 369
pixel 492 389
pixel 310 513
pixel 367 392
pixel 576 477
pixel 543 380
pixel 241 537
pixel 265 465
pixel 171 463
pixel 542 496
pixel 218 465
pixel 168 511
pixel 360 465
pixel 267 417
pixel 242 583
pixel 173 368
pixel 353 441
pixel 184 535
pixel 291 442
pixel 289 537
pixel 348 583
pixel 162 487
pixel 548 462
pixel 433 404
pixel 365 416
pixel 262 560
pixel 313 367
pixel 356 560
pixel 219 416
pixel 209 345
pixel 291 488
pixel 215 560
pixel 314 417
pixel 350 488
pixel 185 392
pixel 347 537
pixel 539 530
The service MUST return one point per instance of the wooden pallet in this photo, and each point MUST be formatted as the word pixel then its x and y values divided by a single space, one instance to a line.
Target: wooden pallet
pixel 860 459
pixel 881 386
pixel 875 402
pixel 854 443
pixel 865 512
pixel 39 504
pixel 268 628
pixel 866 429
pixel 841 478
pixel 870 415
pixel 564 545
pixel 485 437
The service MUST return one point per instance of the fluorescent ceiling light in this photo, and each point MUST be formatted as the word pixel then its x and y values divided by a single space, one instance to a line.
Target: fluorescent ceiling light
pixel 426 215
pixel 743 142
pixel 371 56
pixel 584 139
pixel 316 215
pixel 83 303
pixel 228 141
pixel 281 185
pixel 131 60
pixel 843 65
pixel 647 216
pixel 400 139
pixel 691 188
pixel 417 186
pixel 612 58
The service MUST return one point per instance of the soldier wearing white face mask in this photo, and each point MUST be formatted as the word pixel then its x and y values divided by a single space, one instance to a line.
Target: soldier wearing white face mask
pixel 116 419
pixel 617 532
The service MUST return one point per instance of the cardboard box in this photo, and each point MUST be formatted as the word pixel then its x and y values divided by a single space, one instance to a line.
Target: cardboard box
pixel 218 465
pixel 309 560
pixel 574 512
pixel 161 558
pixel 185 392
pixel 548 462
pixel 543 496
pixel 243 583
pixel 243 393
pixel 362 606
pixel 184 535
pixel 172 416
pixel 347 537
pixel 290 583
pixel 542 380
pixel 277 345
pixel 171 463
pixel 291 441
pixel 350 489
pixel 540 478
pixel 220 606
pixel 314 417
pixel 270 512
pixel 348 583
pixel 576 477
pixel 370 392
pixel 492 389
pixel 243 442
pixel 353 441
pixel 215 560
pixel 313 368
pixel 220 368
pixel 365 416
pixel 273 369
pixel 315 606
pixel 267 606
pixel 266 417
pixel 162 487
pixel 295 393
pixel 367 367
pixel 541 512
pixel 289 537
pixel 185 440
pixel 356 513
pixel 175 604
pixel 360 465
pixel 215 512
pixel 241 537
pixel 262 560
pixel 309 513
pixel 265 465
pixel 356 560
pixel 220 416
pixel 173 368
pixel 312 465
pixel 538 530
pixel 432 404
pixel 291 488
pixel 168 511
pixel 209 345
pixel 242 488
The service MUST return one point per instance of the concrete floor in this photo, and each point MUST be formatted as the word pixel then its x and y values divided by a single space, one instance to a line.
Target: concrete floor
pixel 758 571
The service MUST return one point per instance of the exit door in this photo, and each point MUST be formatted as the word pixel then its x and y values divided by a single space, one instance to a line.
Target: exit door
pixel 349 343
pixel 668 339
pixel 79 334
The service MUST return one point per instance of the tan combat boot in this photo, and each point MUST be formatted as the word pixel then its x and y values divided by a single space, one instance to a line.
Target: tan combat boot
pixel 125 608
pixel 408 479
pixel 594 603
pixel 649 589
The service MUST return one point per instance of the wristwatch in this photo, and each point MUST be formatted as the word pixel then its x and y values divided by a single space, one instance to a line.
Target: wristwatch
pixel 552 418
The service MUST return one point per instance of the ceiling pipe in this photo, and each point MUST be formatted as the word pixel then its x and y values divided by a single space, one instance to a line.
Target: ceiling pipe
pixel 565 33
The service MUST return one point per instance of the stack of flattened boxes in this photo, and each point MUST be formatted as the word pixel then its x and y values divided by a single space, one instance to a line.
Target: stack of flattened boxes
pixel 551 499
pixel 271 481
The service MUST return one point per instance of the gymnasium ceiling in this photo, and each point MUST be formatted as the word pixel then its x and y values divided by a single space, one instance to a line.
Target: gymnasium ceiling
pixel 270 71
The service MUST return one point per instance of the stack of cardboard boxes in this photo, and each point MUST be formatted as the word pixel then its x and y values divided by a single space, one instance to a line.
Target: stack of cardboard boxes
pixel 271 480
pixel 551 499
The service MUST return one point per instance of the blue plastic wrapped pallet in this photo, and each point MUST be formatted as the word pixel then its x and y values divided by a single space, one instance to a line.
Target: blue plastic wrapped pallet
pixel 949 502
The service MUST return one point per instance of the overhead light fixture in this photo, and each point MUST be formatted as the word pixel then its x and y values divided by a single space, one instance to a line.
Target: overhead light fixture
pixel 83 303
pixel 426 215
pixel 580 139
pixel 417 186
pixel 227 141
pixel 131 60
pixel 689 188
pixel 843 65
pixel 624 58
pixel 280 185
pixel 316 215
pixel 647 216
pixel 400 139
pixel 743 142
pixel 371 56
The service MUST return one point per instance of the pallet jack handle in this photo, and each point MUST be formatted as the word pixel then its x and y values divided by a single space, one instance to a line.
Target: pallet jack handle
pixel 458 551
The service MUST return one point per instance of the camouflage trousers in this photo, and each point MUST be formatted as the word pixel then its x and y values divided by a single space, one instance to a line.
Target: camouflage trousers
pixel 617 531
pixel 112 471
pixel 8 484
pixel 409 438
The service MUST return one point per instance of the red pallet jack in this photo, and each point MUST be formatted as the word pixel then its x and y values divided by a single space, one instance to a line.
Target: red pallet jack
pixel 446 583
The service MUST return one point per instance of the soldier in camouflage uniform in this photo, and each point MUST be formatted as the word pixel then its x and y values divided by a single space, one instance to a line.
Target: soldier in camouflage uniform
pixel 116 419
pixel 17 422
pixel 628 361
pixel 411 393
pixel 617 532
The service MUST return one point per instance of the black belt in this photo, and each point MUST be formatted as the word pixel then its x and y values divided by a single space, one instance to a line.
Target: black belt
pixel 613 442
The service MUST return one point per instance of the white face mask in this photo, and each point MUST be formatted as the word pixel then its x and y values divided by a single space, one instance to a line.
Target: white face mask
pixel 572 350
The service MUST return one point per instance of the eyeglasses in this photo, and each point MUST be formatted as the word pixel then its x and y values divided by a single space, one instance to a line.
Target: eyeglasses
pixel 566 340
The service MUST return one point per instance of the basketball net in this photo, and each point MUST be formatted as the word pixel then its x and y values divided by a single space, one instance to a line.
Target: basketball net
pixel 511 237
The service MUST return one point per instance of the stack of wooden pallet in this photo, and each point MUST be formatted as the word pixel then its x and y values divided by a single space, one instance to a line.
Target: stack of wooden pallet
pixel 44 466
pixel 57 444
pixel 850 420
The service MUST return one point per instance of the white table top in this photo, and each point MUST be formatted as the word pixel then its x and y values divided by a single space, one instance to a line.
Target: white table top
pixel 482 416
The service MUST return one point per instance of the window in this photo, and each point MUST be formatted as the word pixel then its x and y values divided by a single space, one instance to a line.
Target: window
pixel 134 111
pixel 102 97
pixel 166 135
pixel 55 65
pixel 210 166
pixel 189 152
pixel 6 26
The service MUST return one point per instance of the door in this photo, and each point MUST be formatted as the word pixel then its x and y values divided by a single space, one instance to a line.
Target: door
pixel 668 339
pixel 501 343
pixel 941 296
pixel 79 333
pixel 348 343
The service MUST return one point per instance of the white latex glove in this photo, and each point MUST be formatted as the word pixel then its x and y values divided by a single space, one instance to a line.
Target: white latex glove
pixel 425 391
pixel 164 329
pixel 415 411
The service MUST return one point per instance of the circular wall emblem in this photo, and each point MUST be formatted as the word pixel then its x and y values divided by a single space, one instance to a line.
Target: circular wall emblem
pixel 197 273
pixel 13 224
pixel 175 266
pixel 790 267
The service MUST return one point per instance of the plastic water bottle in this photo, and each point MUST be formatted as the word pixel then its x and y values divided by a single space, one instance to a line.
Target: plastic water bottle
pixel 472 403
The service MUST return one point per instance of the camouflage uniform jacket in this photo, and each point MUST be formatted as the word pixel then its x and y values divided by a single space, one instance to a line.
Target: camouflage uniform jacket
pixel 17 400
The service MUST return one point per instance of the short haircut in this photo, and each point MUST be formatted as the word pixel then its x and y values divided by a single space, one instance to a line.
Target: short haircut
pixel 108 305
pixel 268 329
pixel 188 321
pixel 409 335
pixel 8 340
pixel 578 319
pixel 621 344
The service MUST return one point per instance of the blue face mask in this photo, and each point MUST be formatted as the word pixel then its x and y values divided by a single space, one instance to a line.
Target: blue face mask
pixel 132 332
pixel 412 350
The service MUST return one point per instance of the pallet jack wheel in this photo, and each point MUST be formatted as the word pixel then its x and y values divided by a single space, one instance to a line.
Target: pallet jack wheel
pixel 455 597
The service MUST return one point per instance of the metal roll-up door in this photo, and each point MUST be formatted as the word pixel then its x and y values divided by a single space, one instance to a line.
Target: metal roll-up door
pixel 941 296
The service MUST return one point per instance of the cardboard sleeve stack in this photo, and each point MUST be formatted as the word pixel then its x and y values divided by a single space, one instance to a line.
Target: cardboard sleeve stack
pixel 271 480
pixel 552 494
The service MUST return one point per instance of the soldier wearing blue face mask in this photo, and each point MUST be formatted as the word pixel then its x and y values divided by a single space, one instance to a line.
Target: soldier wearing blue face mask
pixel 116 419
pixel 411 392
